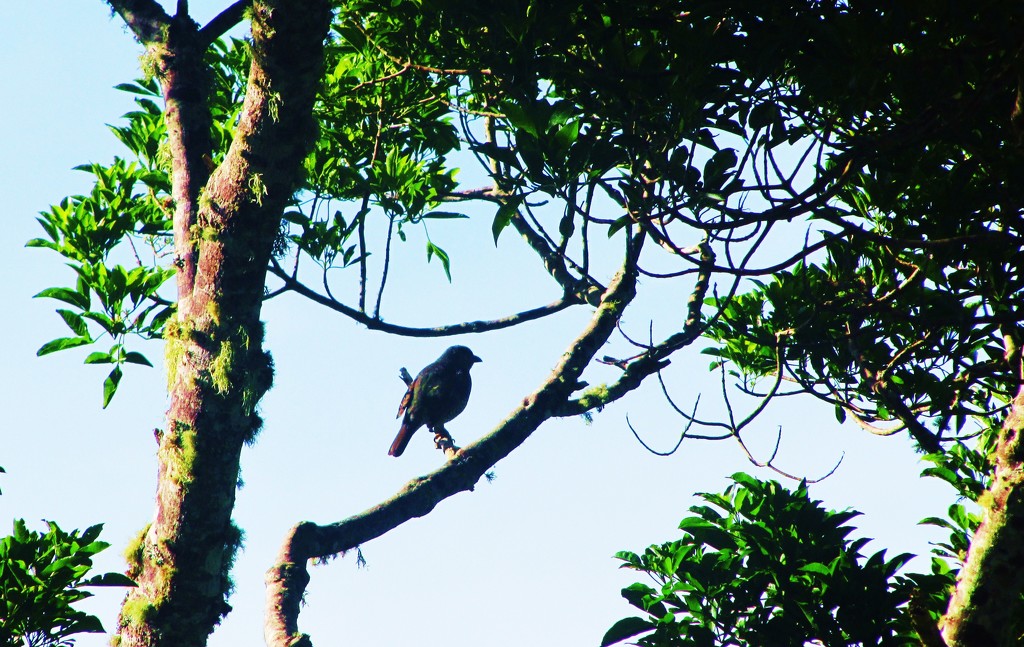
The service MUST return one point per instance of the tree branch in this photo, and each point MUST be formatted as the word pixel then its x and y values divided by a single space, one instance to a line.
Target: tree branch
pixel 585 288
pixel 287 579
pixel 655 359
pixel 147 19
pixel 224 21
pixel 374 323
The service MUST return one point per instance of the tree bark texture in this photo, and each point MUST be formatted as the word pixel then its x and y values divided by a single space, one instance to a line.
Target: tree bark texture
pixel 983 608
pixel 224 226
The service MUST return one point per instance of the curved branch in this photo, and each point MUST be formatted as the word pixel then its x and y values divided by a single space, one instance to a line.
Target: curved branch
pixel 287 579
pixel 682 436
pixel 374 323
pixel 553 257
pixel 996 239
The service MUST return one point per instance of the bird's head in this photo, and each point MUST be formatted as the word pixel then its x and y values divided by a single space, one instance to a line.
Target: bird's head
pixel 460 356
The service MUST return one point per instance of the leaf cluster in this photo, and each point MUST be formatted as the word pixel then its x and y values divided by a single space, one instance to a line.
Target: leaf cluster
pixel 129 207
pixel 41 577
pixel 763 565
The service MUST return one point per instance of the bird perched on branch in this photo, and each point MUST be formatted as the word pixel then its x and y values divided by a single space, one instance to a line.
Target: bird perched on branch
pixel 438 394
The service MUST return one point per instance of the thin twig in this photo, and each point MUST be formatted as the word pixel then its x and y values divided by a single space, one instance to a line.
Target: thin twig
pixel 387 265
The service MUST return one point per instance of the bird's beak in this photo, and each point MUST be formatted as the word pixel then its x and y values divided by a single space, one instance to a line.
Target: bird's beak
pixel 476 359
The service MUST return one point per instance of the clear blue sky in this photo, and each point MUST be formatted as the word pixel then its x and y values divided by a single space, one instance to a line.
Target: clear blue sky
pixel 526 559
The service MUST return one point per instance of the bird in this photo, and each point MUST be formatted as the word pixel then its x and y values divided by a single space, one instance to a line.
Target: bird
pixel 438 394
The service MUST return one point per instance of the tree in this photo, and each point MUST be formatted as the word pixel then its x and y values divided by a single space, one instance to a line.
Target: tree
pixel 661 125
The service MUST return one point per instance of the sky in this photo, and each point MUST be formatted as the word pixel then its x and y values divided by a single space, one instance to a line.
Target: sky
pixel 525 559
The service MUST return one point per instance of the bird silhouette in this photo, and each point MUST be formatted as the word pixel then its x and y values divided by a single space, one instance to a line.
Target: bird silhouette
pixel 438 394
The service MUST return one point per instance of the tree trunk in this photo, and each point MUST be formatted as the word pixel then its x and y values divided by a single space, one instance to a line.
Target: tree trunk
pixel 983 608
pixel 217 368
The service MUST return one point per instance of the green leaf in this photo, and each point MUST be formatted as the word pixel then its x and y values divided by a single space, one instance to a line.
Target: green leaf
pixel 503 218
pixel 62 344
pixel 110 385
pixel 433 250
pixel 65 295
pixel 444 215
pixel 109 579
pixel 20 530
pixel 567 135
pixel 134 88
pixel 618 224
pixel 519 118
pixel 816 567
pixel 74 322
pixel 40 242
pixel 625 628
pixel 99 358
pixel 133 357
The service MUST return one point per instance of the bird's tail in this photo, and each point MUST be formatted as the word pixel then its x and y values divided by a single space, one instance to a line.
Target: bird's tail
pixel 401 440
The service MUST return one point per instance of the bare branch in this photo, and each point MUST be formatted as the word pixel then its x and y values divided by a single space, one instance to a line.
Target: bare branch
pixel 682 436
pixel 768 397
pixel 374 323
pixel 385 269
pixel 928 441
pixel 407 64
pixel 224 21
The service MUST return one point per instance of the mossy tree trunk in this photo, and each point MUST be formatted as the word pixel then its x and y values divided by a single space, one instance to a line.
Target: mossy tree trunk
pixel 225 223
pixel 982 610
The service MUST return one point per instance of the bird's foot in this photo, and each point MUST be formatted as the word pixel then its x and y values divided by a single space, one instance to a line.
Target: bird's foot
pixel 443 441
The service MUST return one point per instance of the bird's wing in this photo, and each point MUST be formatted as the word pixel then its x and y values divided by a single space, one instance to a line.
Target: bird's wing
pixel 406 399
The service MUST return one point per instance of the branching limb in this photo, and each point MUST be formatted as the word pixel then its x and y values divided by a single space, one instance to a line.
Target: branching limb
pixel 374 323
pixel 408 64
pixel 177 49
pixel 585 288
pixel 690 421
pixel 287 579
pixel 553 257
pixel 656 358
pixel 737 428
pixel 182 562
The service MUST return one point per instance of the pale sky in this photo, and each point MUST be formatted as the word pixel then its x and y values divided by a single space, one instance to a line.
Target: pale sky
pixel 527 559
